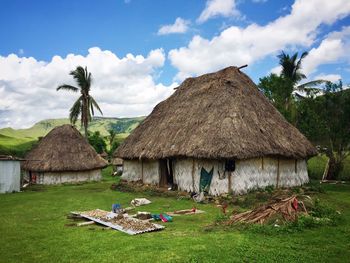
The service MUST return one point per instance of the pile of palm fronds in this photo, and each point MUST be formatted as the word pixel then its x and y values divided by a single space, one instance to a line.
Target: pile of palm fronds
pixel 288 208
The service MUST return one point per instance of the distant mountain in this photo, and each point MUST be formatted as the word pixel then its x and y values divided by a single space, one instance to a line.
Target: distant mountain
pixel 18 141
pixel 41 128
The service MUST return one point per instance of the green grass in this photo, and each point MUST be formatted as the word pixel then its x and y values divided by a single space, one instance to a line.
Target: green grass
pixel 317 164
pixel 15 146
pixel 32 229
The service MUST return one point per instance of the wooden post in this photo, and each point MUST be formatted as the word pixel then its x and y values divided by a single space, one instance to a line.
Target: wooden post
pixel 325 171
pixel 262 163
pixel 193 175
pixel 229 182
pixel 278 172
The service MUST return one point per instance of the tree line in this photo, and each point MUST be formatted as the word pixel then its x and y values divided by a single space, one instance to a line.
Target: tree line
pixel 320 109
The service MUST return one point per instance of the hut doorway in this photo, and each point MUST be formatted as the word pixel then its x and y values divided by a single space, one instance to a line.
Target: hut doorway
pixel 166 173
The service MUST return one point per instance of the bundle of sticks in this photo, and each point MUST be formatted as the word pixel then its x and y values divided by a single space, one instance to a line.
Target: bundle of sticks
pixel 288 208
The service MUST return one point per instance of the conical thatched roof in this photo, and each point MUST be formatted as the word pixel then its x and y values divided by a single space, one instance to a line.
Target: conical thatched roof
pixel 63 149
pixel 217 115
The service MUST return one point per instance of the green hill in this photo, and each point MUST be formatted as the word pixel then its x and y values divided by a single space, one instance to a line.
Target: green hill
pixel 19 141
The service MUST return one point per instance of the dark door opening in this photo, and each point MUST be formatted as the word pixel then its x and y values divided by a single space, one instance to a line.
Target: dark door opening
pixel 166 173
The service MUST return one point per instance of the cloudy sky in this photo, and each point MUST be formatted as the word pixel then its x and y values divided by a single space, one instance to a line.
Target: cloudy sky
pixel 139 50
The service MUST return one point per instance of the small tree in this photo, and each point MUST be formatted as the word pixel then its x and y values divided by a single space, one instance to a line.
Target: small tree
pixel 97 141
pixel 326 120
pixel 111 136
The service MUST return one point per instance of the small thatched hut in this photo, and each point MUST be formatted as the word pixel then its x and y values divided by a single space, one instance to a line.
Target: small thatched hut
pixel 10 174
pixel 63 156
pixel 217 131
pixel 118 164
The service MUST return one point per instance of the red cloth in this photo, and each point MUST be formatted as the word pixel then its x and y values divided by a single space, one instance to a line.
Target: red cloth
pixel 295 204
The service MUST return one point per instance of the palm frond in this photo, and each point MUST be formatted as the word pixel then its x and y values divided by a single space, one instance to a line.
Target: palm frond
pixel 91 107
pixel 81 77
pixel 298 66
pixel 67 87
pixel 95 105
pixel 75 111
pixel 312 83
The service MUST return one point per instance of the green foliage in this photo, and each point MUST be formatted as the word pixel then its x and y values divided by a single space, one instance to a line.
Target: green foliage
pixel 325 120
pixel 279 90
pixel 124 125
pixel 115 145
pixel 97 141
pixel 322 210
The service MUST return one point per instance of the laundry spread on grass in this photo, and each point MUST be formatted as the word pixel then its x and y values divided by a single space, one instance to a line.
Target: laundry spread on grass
pixel 132 224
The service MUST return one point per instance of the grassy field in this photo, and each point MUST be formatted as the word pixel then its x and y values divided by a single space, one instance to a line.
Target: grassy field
pixel 32 229
pixel 15 146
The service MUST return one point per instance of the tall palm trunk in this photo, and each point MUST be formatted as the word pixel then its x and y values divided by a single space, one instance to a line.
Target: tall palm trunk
pixel 85 115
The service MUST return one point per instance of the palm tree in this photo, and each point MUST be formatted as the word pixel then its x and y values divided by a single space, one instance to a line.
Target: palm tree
pixel 85 104
pixel 292 75
pixel 291 70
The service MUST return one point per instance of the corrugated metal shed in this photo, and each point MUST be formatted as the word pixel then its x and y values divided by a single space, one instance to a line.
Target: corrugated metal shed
pixel 10 174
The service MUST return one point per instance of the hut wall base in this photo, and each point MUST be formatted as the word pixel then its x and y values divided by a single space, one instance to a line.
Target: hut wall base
pixel 150 172
pixel 249 174
pixel 132 171
pixel 68 177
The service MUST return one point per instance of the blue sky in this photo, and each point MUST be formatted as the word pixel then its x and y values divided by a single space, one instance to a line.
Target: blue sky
pixel 199 36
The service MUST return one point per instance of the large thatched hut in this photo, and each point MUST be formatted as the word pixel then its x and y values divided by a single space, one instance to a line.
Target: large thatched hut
pixel 63 156
pixel 219 132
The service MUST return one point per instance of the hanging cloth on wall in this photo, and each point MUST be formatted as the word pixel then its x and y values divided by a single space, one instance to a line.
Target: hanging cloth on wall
pixel 205 180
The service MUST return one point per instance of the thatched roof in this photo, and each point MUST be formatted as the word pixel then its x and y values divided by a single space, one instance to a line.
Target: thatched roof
pixel 217 115
pixel 63 149
pixel 117 161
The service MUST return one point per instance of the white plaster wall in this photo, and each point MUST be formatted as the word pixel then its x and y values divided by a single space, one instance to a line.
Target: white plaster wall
pixel 10 176
pixel 249 174
pixel 150 172
pixel 254 173
pixel 68 177
pixel 183 175
pixel 131 170
pixel 291 175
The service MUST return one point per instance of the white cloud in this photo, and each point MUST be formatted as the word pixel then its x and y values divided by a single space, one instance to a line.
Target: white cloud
pixel 122 86
pixel 334 47
pixel 180 26
pixel 238 46
pixel 329 77
pixel 214 8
